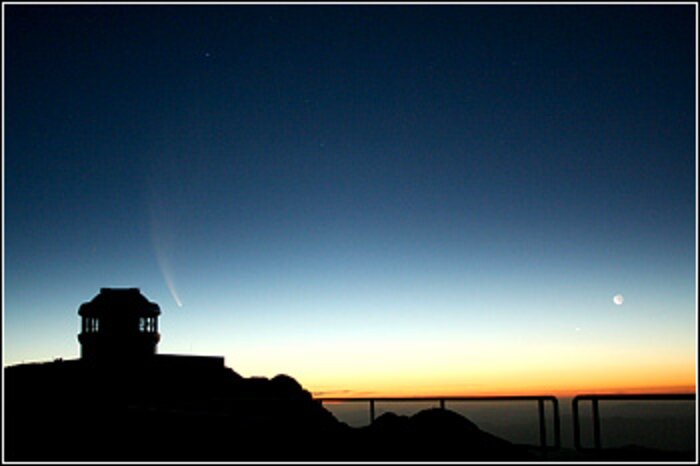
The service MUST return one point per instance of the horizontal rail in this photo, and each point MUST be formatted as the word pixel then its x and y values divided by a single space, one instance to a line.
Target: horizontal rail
pixel 443 399
pixel 595 398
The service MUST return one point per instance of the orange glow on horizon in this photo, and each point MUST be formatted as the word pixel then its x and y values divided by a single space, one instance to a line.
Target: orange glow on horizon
pixel 476 368
pixel 565 393
pixel 566 385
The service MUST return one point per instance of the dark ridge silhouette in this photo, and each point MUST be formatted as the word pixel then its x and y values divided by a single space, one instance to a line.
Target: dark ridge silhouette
pixel 436 435
pixel 72 411
pixel 121 401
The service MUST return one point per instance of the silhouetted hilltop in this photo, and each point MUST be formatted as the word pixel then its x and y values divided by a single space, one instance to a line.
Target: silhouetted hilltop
pixel 436 434
pixel 73 411
pixel 123 401
pixel 80 411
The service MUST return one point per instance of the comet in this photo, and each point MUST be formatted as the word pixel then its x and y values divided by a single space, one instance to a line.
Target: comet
pixel 162 258
pixel 166 270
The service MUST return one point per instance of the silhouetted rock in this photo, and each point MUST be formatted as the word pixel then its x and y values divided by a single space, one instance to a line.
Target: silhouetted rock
pixel 435 434
pixel 286 386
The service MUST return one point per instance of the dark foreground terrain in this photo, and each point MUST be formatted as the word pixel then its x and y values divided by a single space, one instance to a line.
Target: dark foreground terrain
pixel 72 411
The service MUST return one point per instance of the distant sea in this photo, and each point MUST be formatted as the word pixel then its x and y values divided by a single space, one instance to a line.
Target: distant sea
pixel 667 425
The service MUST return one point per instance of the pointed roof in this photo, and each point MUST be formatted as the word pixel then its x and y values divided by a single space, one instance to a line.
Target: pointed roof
pixel 111 301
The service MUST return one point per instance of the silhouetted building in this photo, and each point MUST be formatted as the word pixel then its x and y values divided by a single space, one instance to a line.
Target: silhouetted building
pixel 119 324
pixel 123 402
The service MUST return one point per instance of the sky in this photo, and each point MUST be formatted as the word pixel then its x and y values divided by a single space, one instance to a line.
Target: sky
pixel 388 200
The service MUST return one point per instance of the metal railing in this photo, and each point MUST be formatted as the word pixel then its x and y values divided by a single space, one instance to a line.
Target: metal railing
pixel 443 399
pixel 597 444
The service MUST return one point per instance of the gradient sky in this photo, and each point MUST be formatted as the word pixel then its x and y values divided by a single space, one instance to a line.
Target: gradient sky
pixel 372 199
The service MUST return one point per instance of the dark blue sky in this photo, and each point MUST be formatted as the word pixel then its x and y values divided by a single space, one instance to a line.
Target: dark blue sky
pixel 308 161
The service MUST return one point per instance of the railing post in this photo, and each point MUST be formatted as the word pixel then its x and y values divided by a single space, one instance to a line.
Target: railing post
pixel 577 426
pixel 596 424
pixel 557 426
pixel 596 398
pixel 543 426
